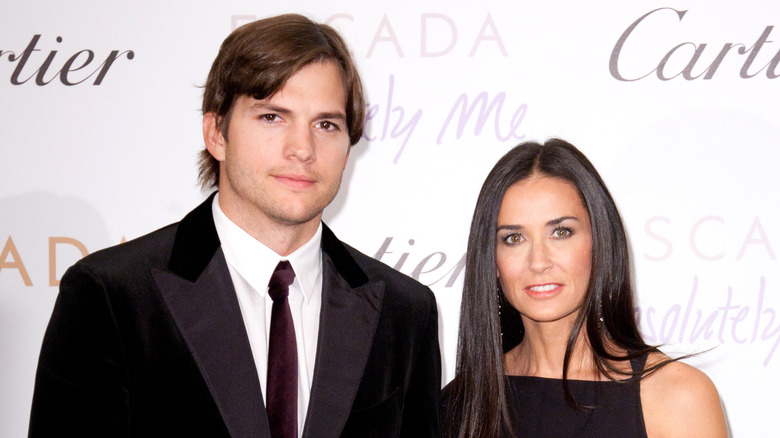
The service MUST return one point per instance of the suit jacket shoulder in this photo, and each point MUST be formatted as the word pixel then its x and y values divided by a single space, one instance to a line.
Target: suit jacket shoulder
pixel 398 394
pixel 127 259
pixel 124 351
pixel 184 248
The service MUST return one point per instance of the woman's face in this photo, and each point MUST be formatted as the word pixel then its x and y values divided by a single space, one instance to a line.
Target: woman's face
pixel 543 248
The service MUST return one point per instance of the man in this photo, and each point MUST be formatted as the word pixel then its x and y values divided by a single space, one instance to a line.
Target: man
pixel 176 333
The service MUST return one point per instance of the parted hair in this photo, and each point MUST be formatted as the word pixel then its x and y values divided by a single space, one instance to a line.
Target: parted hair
pixel 259 57
pixel 476 403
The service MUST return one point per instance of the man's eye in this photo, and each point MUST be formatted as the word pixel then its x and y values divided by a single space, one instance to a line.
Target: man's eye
pixel 328 126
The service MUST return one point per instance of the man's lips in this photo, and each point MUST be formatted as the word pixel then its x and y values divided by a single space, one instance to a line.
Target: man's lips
pixel 295 180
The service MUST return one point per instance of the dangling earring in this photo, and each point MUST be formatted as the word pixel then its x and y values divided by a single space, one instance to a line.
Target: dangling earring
pixel 601 310
pixel 600 323
pixel 498 298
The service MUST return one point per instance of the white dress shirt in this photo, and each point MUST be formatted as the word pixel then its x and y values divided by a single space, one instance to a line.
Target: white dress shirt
pixel 251 265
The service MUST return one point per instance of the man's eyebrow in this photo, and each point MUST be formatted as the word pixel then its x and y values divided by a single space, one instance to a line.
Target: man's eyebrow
pixel 330 115
pixel 265 106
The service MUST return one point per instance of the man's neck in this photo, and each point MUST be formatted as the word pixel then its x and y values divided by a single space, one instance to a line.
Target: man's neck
pixel 282 238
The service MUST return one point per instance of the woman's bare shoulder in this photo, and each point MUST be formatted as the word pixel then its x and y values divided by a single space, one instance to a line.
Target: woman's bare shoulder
pixel 680 400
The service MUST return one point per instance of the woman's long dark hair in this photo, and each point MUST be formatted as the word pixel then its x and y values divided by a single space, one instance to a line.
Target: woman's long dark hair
pixel 477 402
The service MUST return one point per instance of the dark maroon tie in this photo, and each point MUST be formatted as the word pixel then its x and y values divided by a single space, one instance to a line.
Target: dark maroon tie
pixel 282 382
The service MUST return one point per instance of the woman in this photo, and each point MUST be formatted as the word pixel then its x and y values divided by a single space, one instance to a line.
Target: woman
pixel 548 344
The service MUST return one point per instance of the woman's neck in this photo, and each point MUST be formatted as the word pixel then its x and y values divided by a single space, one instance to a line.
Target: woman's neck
pixel 542 351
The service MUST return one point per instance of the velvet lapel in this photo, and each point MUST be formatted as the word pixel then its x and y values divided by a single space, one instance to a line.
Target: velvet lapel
pixel 200 296
pixel 348 320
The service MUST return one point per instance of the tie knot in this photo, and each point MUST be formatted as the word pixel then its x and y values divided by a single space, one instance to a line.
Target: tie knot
pixel 281 279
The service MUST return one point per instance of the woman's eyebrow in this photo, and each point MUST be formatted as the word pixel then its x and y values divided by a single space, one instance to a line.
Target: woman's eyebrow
pixel 561 219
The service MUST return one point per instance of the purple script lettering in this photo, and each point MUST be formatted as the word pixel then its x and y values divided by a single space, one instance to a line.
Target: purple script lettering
pixel 399 128
pixel 734 320
pixel 485 110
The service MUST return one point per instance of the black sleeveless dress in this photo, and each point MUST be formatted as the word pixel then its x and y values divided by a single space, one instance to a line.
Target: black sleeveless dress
pixel 539 410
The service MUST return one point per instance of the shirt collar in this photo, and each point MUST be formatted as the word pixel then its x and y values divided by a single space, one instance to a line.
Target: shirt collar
pixel 256 262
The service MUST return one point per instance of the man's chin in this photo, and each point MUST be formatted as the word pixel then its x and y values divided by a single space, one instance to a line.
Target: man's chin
pixel 297 218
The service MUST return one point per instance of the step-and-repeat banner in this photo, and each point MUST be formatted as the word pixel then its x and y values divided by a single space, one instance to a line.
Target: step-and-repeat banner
pixel 676 103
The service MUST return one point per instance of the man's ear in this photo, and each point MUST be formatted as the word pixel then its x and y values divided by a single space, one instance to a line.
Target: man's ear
pixel 212 136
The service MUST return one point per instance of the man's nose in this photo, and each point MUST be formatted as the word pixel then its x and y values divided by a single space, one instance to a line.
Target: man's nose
pixel 300 143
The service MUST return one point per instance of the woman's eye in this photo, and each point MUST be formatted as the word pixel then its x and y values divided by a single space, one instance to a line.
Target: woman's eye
pixel 270 117
pixel 513 238
pixel 562 232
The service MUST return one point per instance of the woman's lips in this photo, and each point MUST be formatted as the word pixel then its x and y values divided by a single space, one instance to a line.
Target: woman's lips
pixel 543 290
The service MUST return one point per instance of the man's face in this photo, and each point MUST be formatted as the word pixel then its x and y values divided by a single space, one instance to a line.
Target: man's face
pixel 284 156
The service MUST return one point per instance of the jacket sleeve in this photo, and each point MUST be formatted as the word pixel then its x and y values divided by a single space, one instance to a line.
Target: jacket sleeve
pixel 81 385
pixel 421 404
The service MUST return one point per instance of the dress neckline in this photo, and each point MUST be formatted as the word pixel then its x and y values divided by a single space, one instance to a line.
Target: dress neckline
pixel 637 364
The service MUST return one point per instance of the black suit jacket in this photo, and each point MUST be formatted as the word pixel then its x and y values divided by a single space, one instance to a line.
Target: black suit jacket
pixel 147 339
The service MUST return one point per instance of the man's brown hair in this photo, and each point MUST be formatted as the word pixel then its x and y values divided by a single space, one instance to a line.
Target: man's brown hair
pixel 258 58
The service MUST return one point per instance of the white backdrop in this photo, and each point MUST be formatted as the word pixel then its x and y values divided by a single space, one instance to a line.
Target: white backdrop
pixel 680 117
